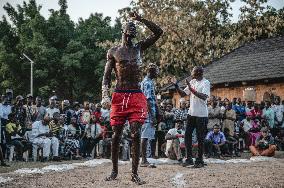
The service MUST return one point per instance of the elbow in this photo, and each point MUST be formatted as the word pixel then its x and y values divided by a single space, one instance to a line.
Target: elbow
pixel 160 32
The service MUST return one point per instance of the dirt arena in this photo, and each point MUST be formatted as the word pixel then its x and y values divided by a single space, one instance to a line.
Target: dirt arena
pixel 245 174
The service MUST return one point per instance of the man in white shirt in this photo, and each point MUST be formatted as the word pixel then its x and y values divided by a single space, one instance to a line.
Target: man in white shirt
pixel 199 90
pixel 39 138
pixel 52 107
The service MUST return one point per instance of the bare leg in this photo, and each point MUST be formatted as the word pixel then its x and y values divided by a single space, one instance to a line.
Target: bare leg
pixel 116 137
pixel 136 137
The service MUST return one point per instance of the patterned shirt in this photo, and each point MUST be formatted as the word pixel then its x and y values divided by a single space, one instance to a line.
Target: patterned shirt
pixel 148 88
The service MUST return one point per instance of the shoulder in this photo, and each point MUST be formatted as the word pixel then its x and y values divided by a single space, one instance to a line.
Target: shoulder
pixel 206 82
pixel 112 50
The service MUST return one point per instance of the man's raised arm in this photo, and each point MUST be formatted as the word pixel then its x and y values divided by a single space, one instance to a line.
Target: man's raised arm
pixel 157 32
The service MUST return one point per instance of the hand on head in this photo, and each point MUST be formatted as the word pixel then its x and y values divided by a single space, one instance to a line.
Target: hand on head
pixel 134 16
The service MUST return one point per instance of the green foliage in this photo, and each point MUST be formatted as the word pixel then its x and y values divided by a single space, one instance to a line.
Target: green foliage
pixel 67 56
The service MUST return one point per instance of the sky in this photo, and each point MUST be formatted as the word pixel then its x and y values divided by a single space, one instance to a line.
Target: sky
pixel 83 8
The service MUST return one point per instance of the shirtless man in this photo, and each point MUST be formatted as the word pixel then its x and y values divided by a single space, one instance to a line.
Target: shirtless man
pixel 128 101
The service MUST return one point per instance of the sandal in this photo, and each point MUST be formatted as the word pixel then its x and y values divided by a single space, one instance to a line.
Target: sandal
pixel 111 177
pixel 135 178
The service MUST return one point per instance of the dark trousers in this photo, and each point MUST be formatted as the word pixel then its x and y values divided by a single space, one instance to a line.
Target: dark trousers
pixel 161 140
pixel 200 124
pixel 211 150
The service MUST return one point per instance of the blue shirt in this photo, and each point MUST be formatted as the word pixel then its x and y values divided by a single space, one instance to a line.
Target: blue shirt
pixel 148 88
pixel 240 111
pixel 216 138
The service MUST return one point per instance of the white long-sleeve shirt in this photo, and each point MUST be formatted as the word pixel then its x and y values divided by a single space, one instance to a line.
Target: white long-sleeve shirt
pixel 38 128
pixel 5 110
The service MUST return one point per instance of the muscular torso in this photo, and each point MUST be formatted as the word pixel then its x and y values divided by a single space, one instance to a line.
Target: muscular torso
pixel 127 62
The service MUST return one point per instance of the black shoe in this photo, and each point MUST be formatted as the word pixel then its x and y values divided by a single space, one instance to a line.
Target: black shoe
pixel 111 177
pixel 4 164
pixel 199 164
pixel 44 159
pixel 188 162
pixel 180 161
pixel 57 159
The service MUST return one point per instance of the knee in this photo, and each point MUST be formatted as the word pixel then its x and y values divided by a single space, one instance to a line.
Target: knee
pixel 47 142
pixel 136 130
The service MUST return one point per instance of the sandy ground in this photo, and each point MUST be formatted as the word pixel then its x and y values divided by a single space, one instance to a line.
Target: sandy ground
pixel 255 174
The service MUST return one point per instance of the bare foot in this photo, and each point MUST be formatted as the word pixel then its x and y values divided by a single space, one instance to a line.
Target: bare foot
pixel 135 178
pixel 111 177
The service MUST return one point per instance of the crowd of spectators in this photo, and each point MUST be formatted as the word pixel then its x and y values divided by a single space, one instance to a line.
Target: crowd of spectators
pixel 61 130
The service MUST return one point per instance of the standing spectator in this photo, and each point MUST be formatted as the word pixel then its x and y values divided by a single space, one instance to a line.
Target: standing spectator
pixel 29 111
pixel 268 115
pixel 199 90
pixel 5 110
pixel 256 112
pixel 215 142
pixel 279 140
pixel 169 117
pixel 229 119
pixel 92 136
pixel 240 110
pixel 52 107
pixel 85 116
pixel 182 112
pixel 279 111
pixel 39 109
pixel 214 115
pixel 105 113
pixel 66 109
pixel 264 145
pixel 20 111
pixel 173 137
pixel 148 128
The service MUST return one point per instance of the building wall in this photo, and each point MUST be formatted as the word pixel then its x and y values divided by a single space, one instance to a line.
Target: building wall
pixel 231 92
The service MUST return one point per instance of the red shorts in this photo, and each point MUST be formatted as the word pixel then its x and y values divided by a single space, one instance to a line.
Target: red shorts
pixel 128 105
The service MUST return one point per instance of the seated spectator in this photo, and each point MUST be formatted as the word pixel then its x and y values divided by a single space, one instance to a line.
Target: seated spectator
pixel 72 139
pixel 279 140
pixel 215 143
pixel 173 137
pixel 55 127
pixel 15 137
pixel 264 145
pixel 40 134
pixel 231 144
pixel 245 128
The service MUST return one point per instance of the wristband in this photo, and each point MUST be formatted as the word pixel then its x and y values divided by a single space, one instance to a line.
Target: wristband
pixel 193 90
